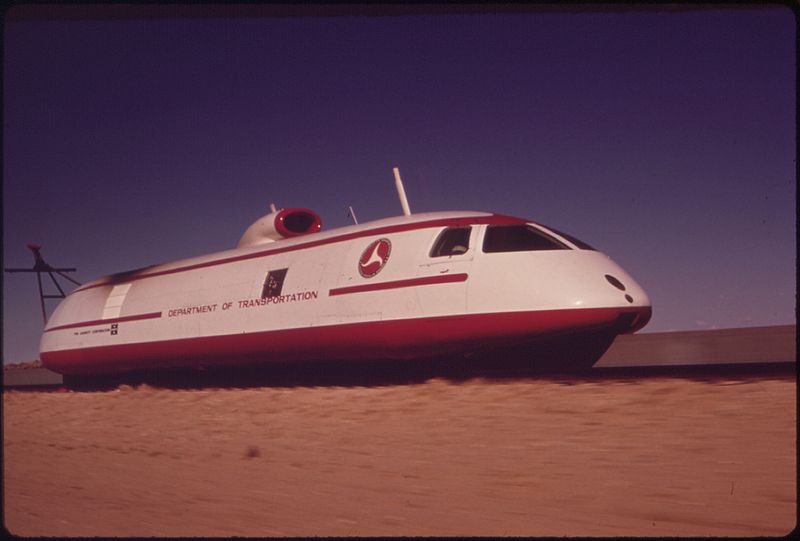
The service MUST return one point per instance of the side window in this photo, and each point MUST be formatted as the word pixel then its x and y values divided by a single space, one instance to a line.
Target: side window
pixel 273 283
pixel 451 241
pixel 518 238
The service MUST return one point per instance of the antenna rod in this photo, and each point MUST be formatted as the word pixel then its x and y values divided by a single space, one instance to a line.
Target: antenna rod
pixel 401 193
pixel 353 214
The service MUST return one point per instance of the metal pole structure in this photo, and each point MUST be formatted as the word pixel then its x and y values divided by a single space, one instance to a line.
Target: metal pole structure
pixel 53 278
pixel 67 277
pixel 41 296
pixel 40 266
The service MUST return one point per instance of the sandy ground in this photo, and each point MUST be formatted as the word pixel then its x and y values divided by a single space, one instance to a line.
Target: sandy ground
pixel 533 457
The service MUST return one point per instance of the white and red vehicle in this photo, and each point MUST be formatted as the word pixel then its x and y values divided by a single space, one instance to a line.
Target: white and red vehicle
pixel 419 286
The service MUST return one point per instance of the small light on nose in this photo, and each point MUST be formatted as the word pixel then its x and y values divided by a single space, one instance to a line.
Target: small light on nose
pixel 614 282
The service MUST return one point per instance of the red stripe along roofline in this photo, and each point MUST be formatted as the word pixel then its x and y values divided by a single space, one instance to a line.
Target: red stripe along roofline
pixel 496 219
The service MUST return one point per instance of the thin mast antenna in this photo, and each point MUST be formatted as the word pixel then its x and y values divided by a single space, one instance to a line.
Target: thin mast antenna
pixel 352 214
pixel 401 192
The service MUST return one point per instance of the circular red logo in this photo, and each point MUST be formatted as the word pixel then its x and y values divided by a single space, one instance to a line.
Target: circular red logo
pixel 374 258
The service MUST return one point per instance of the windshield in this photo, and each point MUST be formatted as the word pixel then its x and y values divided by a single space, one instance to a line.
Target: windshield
pixel 519 238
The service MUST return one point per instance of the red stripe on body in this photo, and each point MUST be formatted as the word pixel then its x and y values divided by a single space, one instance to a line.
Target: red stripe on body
pixel 373 340
pixel 442 222
pixel 151 315
pixel 410 282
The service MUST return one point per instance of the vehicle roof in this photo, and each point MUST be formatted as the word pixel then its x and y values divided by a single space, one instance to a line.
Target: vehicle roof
pixel 376 227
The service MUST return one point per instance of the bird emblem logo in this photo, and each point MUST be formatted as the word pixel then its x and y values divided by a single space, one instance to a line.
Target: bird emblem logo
pixel 374 258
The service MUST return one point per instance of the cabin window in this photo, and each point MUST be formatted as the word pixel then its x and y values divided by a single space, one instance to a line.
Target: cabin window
pixel 451 241
pixel 518 238
pixel 273 283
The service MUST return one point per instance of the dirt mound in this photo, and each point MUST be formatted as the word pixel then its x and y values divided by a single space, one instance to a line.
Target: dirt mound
pixel 23 366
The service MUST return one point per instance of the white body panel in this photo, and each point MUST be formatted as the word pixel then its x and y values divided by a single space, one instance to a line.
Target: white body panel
pixel 220 295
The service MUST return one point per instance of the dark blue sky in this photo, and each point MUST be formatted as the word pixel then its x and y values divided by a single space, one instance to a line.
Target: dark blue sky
pixel 665 139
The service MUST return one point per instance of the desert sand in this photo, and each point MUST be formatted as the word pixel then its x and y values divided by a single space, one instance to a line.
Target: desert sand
pixel 529 456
